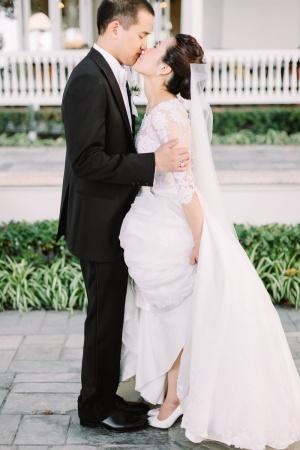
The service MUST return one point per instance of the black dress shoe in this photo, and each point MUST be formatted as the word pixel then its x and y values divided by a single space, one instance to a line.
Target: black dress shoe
pixel 131 407
pixel 118 421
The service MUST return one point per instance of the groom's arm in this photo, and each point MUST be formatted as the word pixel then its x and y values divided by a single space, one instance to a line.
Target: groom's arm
pixel 84 114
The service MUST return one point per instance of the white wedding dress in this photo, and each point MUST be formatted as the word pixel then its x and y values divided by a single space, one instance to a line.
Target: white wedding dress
pixel 237 382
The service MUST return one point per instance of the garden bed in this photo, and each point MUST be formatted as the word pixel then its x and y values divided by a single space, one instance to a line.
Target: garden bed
pixel 38 272
pixel 232 125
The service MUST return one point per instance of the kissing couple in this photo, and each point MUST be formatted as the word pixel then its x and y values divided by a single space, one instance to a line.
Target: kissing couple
pixel 173 299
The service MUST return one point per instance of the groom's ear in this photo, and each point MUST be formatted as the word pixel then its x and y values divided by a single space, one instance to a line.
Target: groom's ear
pixel 113 29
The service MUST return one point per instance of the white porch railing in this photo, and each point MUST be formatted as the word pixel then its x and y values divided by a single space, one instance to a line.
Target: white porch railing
pixel 235 77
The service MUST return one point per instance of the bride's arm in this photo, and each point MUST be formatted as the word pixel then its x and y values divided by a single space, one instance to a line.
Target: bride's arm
pixel 176 125
pixel 190 202
pixel 194 215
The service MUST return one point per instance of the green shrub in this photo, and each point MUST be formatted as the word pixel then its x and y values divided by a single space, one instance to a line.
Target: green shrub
pixel 281 278
pixel 244 137
pixel 259 121
pixel 274 241
pixel 38 272
pixel 48 121
pixel 22 140
pixel 33 242
pixel 247 137
pixel 57 286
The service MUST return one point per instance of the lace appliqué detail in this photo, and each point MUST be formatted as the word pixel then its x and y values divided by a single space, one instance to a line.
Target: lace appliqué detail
pixel 185 185
pixel 168 120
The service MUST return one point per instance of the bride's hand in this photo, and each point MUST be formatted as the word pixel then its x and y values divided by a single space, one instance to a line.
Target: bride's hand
pixel 195 252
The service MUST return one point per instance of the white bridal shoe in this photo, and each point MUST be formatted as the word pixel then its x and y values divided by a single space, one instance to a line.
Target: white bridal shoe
pixel 166 423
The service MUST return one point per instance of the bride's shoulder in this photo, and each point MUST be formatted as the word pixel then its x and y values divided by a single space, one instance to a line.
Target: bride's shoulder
pixel 170 111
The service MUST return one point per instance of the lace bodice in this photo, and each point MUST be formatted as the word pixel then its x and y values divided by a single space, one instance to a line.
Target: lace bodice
pixel 167 120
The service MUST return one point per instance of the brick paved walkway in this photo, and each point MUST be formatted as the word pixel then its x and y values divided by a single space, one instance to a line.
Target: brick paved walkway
pixel 40 360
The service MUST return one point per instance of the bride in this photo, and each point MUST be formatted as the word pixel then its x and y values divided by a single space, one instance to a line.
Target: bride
pixel 201 335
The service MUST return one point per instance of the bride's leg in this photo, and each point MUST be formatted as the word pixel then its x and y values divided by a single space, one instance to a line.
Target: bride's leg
pixel 171 400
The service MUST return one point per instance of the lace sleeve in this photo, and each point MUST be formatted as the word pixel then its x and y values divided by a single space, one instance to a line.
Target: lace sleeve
pixel 171 121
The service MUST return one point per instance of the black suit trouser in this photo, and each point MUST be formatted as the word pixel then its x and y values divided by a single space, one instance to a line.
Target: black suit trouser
pixel 106 286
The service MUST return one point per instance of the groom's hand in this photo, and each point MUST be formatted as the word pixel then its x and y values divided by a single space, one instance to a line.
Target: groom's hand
pixel 171 158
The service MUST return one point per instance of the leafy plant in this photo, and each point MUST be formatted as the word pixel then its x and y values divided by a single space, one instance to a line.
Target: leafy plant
pixel 258 120
pixel 58 286
pixel 33 242
pixel 232 125
pixel 246 137
pixel 17 285
pixel 38 272
pixel 22 140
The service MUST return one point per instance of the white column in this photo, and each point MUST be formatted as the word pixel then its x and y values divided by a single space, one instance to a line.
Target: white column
pixel 85 20
pixel 166 19
pixel 55 17
pixel 157 21
pixel 192 18
pixel 26 15
pixel 19 16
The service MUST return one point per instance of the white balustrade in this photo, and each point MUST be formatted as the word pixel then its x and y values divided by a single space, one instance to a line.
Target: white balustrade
pixel 234 77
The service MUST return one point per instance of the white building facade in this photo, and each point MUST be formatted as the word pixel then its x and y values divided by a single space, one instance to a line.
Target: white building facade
pixel 243 24
pixel 218 24
pixel 252 47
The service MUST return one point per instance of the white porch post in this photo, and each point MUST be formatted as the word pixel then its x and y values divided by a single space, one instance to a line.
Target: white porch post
pixel 85 20
pixel 157 21
pixel 19 15
pixel 26 12
pixel 168 16
pixel 192 18
pixel 55 17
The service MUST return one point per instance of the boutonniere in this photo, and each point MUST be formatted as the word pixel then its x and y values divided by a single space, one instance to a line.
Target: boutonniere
pixel 135 88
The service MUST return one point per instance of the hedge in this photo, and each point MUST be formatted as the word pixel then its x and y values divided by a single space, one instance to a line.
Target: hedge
pixel 227 120
pixel 38 272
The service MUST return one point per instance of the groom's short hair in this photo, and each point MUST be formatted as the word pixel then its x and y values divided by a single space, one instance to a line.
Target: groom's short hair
pixel 125 11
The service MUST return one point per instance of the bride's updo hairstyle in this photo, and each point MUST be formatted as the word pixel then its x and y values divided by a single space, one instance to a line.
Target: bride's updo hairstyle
pixel 186 51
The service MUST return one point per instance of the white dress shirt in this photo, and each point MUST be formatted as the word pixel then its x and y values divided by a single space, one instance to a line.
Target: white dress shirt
pixel 120 74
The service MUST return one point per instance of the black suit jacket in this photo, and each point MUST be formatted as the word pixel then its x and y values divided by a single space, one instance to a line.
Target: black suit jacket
pixel 103 171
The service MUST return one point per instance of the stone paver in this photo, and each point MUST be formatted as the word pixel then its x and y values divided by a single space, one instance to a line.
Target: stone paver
pixel 45 366
pixel 38 352
pixel 50 388
pixel 55 322
pixel 36 403
pixel 46 430
pixel 13 323
pixel 37 339
pixel 78 447
pixel 6 357
pixel 3 395
pixel 226 157
pixel 79 435
pixel 69 354
pixel 8 428
pixel 30 447
pixel 10 342
pixel 74 340
pixel 47 377
pixel 40 382
pixel 6 380
pixel 24 447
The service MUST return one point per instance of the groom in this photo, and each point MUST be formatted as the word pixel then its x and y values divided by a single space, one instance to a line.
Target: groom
pixel 102 176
